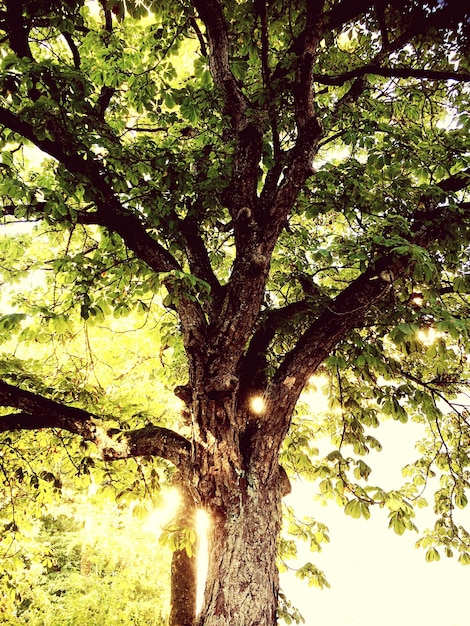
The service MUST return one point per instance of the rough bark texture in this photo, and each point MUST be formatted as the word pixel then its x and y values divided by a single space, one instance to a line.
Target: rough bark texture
pixel 245 513
pixel 242 581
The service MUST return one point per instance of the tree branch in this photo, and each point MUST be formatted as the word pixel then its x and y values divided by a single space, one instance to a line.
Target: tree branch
pixel 456 182
pixel 37 412
pixel 309 129
pixel 392 72
pixel 110 212
pixel 36 212
pixel 103 101
pixel 254 361
pixel 348 309
pixel 303 85
pixel 40 412
pixel 245 170
pixel 113 216
pixel 73 49
pixel 197 255
pixel 211 14
pixel 257 223
pixel 17 29
pixel 416 28
pixel 333 19
pixel 154 441
pixel 346 312
pixel 345 12
pixel 191 239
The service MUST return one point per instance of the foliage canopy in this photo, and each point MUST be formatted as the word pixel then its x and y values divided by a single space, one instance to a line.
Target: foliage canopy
pixel 226 199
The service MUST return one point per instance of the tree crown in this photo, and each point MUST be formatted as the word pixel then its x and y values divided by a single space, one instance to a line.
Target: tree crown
pixel 256 192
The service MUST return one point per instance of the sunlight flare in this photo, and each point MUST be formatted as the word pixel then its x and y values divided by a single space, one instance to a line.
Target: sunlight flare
pixel 202 528
pixel 257 404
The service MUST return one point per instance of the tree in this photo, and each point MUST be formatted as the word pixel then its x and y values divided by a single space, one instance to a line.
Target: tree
pixel 99 572
pixel 280 188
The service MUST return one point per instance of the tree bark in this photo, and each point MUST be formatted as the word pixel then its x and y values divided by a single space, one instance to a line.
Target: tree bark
pixel 184 567
pixel 242 580
pixel 244 513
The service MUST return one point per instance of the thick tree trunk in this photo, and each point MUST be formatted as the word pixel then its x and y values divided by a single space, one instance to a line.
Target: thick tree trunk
pixel 242 579
pixel 241 489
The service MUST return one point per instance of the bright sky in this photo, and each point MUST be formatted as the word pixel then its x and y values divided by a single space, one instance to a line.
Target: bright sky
pixel 377 577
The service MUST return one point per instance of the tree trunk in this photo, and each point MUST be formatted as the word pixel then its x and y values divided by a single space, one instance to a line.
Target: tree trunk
pixel 242 579
pixel 184 567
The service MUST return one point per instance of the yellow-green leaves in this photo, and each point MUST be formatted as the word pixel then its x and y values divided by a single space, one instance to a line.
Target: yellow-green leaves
pixel 314 576
pixel 432 555
pixel 179 539
pixel 357 509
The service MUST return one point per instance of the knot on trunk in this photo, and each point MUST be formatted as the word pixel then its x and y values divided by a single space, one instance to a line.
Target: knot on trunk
pixel 184 393
pixel 284 482
pixel 222 385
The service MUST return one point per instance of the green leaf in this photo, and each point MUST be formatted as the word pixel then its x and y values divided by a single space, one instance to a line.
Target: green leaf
pixel 353 508
pixel 140 511
pixel 432 555
pixel 461 499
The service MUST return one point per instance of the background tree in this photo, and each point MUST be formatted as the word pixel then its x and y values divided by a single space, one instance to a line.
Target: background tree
pixel 98 570
pixel 279 188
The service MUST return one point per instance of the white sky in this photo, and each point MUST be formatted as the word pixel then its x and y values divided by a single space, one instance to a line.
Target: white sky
pixel 378 578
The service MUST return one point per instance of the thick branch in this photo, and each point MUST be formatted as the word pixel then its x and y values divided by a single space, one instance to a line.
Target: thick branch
pixel 333 19
pixel 242 189
pixel 456 182
pixel 110 212
pixel 345 12
pixel 258 223
pixel 346 312
pixel 309 129
pixel 349 308
pixel 303 86
pixel 254 361
pixel 103 101
pixel 35 412
pixel 155 441
pixel 211 13
pixel 189 231
pixel 40 412
pixel 392 72
pixel 17 28
pixel 73 49
pixel 113 216
pixel 196 252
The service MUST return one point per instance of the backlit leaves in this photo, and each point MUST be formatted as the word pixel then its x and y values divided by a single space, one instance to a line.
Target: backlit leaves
pixel 127 88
